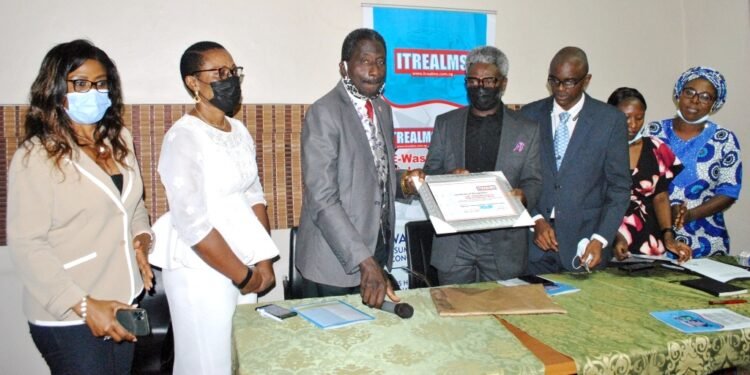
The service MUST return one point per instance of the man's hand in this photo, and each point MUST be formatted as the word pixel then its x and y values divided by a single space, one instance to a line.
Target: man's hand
pixel 407 183
pixel 374 285
pixel 518 193
pixel 544 236
pixel 459 171
pixel 142 246
pixel 593 249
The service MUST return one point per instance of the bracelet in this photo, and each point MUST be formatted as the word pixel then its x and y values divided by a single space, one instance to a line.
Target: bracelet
pixel 244 281
pixel 667 230
pixel 83 307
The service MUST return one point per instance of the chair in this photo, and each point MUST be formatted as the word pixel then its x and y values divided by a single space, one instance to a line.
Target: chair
pixel 154 354
pixel 293 281
pixel 419 235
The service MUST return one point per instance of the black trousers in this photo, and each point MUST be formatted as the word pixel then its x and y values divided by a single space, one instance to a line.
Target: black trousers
pixel 74 350
pixel 312 289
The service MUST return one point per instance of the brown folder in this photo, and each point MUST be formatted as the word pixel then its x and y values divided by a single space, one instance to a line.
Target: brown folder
pixel 515 300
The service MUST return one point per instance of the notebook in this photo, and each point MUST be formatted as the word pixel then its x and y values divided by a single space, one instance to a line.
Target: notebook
pixel 714 287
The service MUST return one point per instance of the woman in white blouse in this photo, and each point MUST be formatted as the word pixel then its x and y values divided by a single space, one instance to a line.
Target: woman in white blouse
pixel 214 243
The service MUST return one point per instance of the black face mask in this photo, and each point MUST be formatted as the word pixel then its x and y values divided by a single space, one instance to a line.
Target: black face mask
pixel 227 95
pixel 483 98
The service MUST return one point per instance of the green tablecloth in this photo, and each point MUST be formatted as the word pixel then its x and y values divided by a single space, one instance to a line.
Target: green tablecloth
pixel 424 344
pixel 608 329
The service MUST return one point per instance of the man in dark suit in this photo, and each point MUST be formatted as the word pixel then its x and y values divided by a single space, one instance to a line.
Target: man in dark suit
pixel 345 231
pixel 481 137
pixel 586 180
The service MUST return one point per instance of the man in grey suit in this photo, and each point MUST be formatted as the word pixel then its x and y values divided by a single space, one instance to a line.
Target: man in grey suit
pixel 345 232
pixel 482 137
pixel 585 171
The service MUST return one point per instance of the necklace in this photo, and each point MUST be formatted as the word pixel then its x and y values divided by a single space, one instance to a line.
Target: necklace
pixel 223 127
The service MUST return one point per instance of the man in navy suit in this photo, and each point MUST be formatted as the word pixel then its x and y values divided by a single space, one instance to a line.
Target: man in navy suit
pixel 585 171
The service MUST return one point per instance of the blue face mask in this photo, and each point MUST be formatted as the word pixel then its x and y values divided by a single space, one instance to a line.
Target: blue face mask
pixel 87 108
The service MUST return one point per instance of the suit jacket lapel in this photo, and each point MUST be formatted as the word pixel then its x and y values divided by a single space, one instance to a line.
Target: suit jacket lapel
pixel 90 170
pixel 351 119
pixel 545 132
pixel 458 135
pixel 508 138
pixel 580 134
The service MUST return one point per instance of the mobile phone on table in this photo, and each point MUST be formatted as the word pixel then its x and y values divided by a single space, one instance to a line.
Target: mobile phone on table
pixel 534 279
pixel 275 312
pixel 134 320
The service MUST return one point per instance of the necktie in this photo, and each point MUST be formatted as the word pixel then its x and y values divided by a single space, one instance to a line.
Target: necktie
pixel 562 136
pixel 368 107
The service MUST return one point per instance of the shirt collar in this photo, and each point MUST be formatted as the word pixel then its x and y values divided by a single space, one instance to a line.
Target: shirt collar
pixel 557 110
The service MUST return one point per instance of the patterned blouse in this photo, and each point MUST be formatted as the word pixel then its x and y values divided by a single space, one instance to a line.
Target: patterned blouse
pixel 713 166
pixel 656 168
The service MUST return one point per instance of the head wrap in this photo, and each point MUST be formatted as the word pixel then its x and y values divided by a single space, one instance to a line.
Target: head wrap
pixel 711 75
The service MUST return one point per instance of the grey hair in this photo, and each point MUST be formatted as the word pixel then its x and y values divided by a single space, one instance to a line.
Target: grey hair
pixel 488 55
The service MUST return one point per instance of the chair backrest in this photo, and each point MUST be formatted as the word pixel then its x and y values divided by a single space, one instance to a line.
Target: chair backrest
pixel 419 235
pixel 293 282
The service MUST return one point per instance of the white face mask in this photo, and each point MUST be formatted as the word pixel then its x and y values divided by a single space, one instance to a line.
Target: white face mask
pixel 696 122
pixel 638 135
pixel 87 108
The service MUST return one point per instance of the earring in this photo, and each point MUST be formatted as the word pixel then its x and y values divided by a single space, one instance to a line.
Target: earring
pixel 197 97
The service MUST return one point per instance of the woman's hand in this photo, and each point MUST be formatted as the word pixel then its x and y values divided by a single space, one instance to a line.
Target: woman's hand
pixel 142 246
pixel 680 249
pixel 101 320
pixel 621 248
pixel 680 215
pixel 262 279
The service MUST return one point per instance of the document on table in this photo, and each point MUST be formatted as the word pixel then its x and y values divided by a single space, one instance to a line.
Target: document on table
pixel 716 270
pixel 475 201
pixel 554 289
pixel 332 314
pixel 703 320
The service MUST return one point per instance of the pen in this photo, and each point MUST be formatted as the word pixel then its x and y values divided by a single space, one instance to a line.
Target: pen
pixel 727 302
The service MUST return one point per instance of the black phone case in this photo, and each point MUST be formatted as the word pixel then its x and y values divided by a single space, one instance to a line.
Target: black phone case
pixel 135 321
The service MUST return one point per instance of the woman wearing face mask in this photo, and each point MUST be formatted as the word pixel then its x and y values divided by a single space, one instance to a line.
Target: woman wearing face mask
pixel 647 226
pixel 78 230
pixel 712 177
pixel 216 243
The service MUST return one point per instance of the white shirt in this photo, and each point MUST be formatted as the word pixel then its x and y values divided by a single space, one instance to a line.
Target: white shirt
pixel 211 180
pixel 359 106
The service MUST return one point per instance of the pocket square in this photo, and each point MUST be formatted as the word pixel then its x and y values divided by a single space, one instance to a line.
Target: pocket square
pixel 519 147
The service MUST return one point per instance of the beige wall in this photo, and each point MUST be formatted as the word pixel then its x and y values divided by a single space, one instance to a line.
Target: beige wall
pixel 290 50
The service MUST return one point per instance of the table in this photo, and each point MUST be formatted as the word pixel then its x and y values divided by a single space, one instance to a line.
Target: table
pixel 607 329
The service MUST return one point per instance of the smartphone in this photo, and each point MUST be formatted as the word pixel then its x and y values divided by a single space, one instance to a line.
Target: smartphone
pixel 276 311
pixel 134 320
pixel 534 279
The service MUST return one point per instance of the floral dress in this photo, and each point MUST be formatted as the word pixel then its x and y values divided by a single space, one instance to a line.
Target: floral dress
pixel 656 168
pixel 713 166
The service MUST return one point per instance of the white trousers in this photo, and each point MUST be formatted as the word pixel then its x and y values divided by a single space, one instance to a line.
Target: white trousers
pixel 201 303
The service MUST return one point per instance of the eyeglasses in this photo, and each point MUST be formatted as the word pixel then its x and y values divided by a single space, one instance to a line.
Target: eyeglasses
pixel 567 83
pixel 84 85
pixel 483 82
pixel 224 72
pixel 703 97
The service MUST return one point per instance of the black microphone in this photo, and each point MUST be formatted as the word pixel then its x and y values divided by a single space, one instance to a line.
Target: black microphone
pixel 403 310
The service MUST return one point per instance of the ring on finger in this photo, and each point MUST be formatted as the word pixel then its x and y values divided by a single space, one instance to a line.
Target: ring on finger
pixel 107 338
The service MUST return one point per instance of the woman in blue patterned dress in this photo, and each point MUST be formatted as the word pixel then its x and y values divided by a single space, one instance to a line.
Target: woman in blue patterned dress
pixel 712 178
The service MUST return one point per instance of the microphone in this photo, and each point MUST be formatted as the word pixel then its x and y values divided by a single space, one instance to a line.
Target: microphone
pixel 403 310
